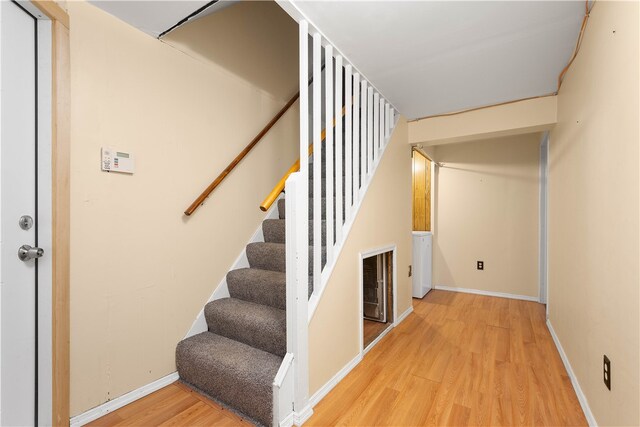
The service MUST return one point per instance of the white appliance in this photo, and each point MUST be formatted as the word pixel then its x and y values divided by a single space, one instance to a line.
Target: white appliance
pixel 422 265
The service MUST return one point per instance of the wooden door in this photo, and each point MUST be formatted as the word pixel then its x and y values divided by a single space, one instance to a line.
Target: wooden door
pixel 421 192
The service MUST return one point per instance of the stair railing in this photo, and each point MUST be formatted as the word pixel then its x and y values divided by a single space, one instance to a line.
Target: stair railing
pixel 368 124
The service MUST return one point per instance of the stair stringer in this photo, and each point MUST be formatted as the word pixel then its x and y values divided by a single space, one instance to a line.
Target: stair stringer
pixel 222 291
pixel 316 296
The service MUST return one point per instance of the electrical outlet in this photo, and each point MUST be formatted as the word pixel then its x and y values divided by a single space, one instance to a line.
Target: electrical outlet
pixel 480 265
pixel 409 271
pixel 607 371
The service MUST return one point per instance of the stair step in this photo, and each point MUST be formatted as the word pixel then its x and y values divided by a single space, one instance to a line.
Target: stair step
pixel 274 230
pixel 266 256
pixel 257 325
pixel 282 208
pixel 323 203
pixel 258 286
pixel 236 374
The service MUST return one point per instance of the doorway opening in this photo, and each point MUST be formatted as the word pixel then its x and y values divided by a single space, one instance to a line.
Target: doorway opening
pixel 378 295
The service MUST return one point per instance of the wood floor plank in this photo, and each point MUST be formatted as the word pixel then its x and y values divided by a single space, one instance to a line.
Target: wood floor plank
pixel 413 404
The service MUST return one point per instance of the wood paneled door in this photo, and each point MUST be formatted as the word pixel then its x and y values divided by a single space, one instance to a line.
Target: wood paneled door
pixel 421 179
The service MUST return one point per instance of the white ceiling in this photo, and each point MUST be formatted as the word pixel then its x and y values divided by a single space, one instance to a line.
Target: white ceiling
pixel 154 17
pixel 436 57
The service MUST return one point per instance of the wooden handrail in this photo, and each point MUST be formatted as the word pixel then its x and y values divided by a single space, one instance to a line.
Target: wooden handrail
pixel 279 188
pixel 203 196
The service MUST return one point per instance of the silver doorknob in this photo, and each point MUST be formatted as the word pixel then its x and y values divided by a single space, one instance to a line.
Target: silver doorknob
pixel 26 252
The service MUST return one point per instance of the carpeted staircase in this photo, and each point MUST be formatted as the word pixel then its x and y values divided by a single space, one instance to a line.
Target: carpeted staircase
pixel 236 360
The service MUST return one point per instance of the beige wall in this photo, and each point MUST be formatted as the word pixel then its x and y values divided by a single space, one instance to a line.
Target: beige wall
pixel 515 118
pixel 487 209
pixel 593 213
pixel 248 46
pixel 140 270
pixel 384 219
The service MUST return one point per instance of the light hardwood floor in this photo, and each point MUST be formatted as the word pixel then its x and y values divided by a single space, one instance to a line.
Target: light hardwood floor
pixel 458 360
pixel 174 405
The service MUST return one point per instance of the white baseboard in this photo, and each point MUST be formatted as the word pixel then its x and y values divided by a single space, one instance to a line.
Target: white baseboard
pixel 574 381
pixel 325 389
pixel 299 418
pixel 119 402
pixel 404 315
pixel 288 421
pixel 487 293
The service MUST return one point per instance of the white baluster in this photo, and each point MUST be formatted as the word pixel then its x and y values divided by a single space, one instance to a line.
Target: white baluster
pixel 330 115
pixel 317 161
pixel 356 139
pixel 348 166
pixel 369 132
pixel 387 121
pixel 376 127
pixel 339 148
pixel 381 128
pixel 363 133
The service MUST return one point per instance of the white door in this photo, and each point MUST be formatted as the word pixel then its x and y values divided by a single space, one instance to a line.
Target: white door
pixel 18 277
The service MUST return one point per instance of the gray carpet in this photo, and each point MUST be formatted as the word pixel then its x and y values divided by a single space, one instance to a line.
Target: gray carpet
pixel 234 373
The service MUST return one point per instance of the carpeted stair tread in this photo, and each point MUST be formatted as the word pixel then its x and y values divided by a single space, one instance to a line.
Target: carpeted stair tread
pixel 323 204
pixel 274 230
pixel 234 373
pixel 258 286
pixel 257 325
pixel 267 256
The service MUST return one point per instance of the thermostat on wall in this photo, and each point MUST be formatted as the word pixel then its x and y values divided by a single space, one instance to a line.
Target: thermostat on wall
pixel 117 161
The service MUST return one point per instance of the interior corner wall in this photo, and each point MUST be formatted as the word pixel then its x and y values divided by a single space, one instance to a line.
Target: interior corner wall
pixel 487 209
pixel 140 270
pixel 594 277
pixel 384 219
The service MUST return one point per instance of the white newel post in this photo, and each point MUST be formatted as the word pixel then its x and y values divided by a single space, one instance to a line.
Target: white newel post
pixel 297 232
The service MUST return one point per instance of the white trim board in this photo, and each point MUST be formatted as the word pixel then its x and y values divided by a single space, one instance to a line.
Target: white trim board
pixel 119 402
pixel 487 293
pixel 574 381
pixel 339 376
pixel 222 291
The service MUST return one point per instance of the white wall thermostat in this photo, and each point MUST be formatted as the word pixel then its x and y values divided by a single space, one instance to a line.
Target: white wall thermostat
pixel 117 161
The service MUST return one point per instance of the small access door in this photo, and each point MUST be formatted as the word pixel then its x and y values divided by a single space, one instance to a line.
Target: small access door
pixel 19 250
pixel 374 288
